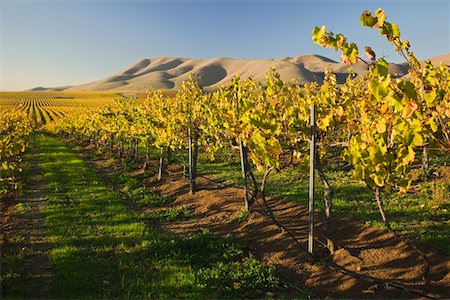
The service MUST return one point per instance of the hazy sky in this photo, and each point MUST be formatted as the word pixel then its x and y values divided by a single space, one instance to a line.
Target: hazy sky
pixel 52 43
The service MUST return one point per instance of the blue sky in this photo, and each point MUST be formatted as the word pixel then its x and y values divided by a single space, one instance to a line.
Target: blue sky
pixel 51 43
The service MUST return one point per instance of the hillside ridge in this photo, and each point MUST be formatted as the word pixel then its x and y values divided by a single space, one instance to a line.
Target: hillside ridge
pixel 167 73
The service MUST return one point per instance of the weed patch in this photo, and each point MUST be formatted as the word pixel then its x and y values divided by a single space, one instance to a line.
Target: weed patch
pixel 166 215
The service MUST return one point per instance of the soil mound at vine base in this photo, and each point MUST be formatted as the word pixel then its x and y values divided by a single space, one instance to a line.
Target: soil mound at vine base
pixel 365 250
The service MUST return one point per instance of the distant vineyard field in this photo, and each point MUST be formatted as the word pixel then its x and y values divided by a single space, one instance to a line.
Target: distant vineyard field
pixel 43 107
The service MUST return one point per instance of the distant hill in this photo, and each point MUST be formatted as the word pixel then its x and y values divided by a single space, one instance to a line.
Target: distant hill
pixel 55 89
pixel 167 73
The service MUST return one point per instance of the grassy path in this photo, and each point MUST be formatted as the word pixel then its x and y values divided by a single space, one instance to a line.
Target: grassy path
pixel 98 248
pixel 96 241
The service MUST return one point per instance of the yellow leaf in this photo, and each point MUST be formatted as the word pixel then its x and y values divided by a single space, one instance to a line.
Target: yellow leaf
pixel 418 140
pixel 407 111
pixel 410 156
pixel 259 167
pixel 379 180
pixel 381 126
pixel 433 124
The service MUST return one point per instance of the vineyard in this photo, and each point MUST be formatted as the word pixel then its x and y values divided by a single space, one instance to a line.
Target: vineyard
pixel 44 107
pixel 157 186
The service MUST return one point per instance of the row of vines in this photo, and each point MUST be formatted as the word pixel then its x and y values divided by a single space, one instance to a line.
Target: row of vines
pixel 44 107
pixel 378 124
pixel 15 129
pixel 20 112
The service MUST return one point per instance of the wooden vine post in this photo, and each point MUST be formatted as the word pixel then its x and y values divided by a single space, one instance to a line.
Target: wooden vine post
pixel 147 156
pixel 244 166
pixel 312 165
pixel 136 148
pixel 191 163
pixel 161 164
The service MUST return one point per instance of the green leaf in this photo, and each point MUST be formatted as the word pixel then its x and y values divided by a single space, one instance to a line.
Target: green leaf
pixel 430 97
pixel 406 45
pixel 318 33
pixel 367 19
pixel 395 30
pixel 350 51
pixel 381 68
pixel 409 89
pixel 358 172
pixel 379 88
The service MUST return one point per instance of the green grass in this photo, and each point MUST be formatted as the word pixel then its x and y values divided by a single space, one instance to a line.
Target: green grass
pixel 242 215
pixel 140 196
pixel 101 249
pixel 166 215
pixel 21 208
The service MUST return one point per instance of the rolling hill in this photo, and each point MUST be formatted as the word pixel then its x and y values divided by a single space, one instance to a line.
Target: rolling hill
pixel 167 73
